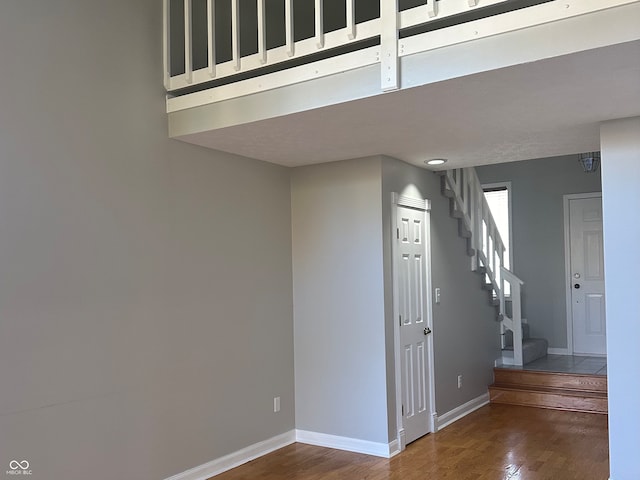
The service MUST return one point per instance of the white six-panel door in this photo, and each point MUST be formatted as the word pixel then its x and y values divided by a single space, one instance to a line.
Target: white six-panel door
pixel 411 275
pixel 587 276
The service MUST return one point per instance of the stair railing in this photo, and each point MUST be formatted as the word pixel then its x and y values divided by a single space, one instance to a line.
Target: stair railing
pixel 513 323
pixel 485 247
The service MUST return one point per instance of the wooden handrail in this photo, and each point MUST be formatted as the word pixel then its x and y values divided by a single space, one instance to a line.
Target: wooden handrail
pixel 511 277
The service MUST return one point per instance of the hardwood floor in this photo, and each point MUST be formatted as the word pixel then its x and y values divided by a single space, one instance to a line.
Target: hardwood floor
pixel 497 442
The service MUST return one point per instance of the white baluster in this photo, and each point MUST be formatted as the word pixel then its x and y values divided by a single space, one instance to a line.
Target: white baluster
pixel 351 19
pixel 262 33
pixel 319 24
pixel 503 307
pixel 288 25
pixel 517 323
pixel 486 245
pixel 493 252
pixel 166 44
pixel 432 8
pixel 479 203
pixel 188 50
pixel 235 34
pixel 211 38
pixel 473 225
pixel 463 191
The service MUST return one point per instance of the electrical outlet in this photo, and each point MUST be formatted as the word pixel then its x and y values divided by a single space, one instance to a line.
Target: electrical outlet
pixel 459 381
pixel 276 404
pixel 437 295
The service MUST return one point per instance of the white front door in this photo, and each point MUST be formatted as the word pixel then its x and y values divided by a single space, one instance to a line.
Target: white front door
pixel 411 265
pixel 587 276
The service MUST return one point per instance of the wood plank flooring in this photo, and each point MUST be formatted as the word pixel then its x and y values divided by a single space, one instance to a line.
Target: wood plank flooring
pixel 497 442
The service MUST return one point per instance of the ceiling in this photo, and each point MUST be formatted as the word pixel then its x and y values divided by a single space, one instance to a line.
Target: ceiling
pixel 542 109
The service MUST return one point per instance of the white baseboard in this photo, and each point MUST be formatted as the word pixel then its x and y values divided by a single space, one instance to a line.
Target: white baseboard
pixel 235 459
pixel 349 444
pixel 402 441
pixel 558 351
pixel 394 448
pixel 461 411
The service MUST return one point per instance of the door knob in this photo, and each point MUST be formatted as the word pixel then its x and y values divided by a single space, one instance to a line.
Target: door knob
pixel 577 285
pixel 427 331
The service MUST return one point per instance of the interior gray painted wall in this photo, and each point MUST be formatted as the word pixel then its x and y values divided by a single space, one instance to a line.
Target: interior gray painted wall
pixel 338 282
pixel 620 143
pixel 145 288
pixel 537 191
pixel 466 336
pixel 338 236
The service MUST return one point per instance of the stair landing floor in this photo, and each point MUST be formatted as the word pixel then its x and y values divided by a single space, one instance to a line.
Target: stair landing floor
pixel 566 364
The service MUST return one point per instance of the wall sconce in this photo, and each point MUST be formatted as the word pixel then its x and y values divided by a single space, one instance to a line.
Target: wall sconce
pixel 589 161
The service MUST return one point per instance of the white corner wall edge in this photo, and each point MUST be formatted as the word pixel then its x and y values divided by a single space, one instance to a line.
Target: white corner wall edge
pixel 235 459
pixel 349 444
pixel 457 413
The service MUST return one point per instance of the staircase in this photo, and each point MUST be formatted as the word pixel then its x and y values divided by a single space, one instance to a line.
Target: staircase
pixel 532 348
pixel 486 250
pixel 558 391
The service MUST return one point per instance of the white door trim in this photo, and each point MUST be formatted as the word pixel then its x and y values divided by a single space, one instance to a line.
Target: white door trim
pixel 424 205
pixel 567 261
pixel 410 202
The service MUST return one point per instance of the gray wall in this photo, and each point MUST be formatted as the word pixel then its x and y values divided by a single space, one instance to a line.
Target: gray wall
pixel 343 293
pixel 340 366
pixel 620 140
pixel 145 288
pixel 537 191
pixel 465 334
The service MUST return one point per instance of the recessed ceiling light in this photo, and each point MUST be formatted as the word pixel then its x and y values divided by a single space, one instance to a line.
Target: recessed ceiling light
pixel 436 161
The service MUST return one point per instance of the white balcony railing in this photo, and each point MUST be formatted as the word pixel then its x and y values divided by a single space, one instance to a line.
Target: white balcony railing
pixel 240 47
pixel 211 40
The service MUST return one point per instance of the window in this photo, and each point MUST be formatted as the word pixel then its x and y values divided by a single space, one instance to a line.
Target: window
pixel 498 197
